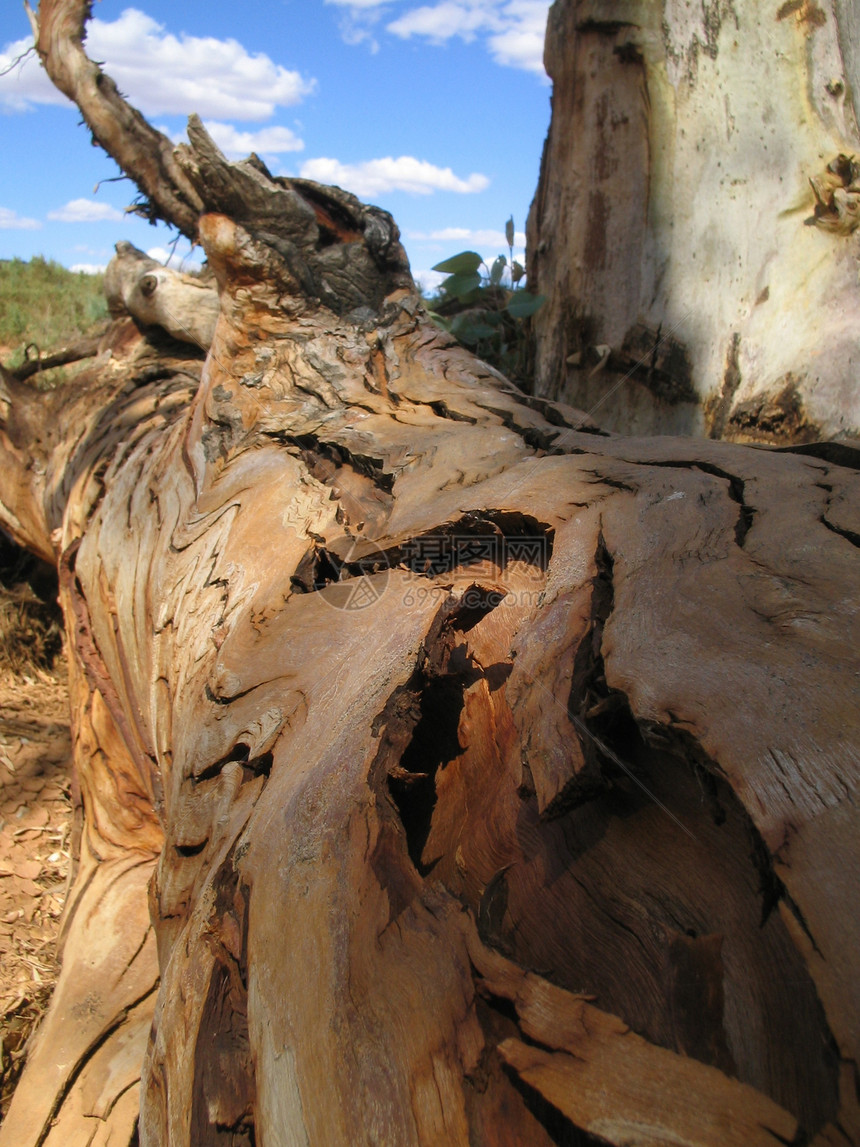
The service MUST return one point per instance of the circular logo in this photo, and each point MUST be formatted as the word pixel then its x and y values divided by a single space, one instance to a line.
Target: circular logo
pixel 355 574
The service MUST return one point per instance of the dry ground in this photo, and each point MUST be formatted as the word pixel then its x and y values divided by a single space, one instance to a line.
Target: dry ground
pixel 35 836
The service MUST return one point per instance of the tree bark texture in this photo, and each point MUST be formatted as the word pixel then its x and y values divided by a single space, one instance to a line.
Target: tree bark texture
pixel 694 227
pixel 449 773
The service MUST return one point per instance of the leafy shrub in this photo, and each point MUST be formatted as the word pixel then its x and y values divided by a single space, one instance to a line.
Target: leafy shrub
pixel 485 313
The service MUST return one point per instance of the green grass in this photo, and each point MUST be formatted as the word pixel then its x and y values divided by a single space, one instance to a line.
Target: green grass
pixel 42 303
pixel 45 304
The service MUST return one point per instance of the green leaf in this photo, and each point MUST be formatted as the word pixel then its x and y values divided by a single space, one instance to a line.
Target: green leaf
pixel 497 270
pixel 509 231
pixel 517 271
pixel 460 285
pixel 523 304
pixel 470 330
pixel 466 263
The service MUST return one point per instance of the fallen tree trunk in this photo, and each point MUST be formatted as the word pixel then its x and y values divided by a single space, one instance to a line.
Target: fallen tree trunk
pixel 448 773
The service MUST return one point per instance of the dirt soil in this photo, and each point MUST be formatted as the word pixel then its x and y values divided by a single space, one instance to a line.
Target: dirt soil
pixel 35 837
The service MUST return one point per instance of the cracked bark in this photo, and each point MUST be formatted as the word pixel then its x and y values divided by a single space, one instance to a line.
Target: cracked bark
pixel 407 716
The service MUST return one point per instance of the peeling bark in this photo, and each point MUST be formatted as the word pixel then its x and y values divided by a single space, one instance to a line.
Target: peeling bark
pixel 450 773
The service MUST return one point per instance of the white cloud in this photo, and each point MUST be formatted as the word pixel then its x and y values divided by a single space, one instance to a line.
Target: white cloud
pixel 162 255
pixel 485 238
pixel 27 83
pixel 521 44
pixel 88 268
pixel 439 22
pixel 355 32
pixel 165 74
pixel 85 211
pixel 377 176
pixel 190 261
pixel 266 141
pixel 428 281
pixel 11 221
pixel 514 29
pixel 358 20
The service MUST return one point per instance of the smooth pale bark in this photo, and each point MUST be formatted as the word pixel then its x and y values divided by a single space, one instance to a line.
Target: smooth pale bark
pixel 449 774
pixel 692 284
pixel 186 306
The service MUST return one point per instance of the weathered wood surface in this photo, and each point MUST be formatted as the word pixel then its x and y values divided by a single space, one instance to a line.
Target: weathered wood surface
pixel 672 231
pixel 431 716
pixel 338 785
pixel 183 305
pixel 83 1072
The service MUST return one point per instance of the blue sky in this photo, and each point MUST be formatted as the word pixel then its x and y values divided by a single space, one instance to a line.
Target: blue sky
pixel 436 111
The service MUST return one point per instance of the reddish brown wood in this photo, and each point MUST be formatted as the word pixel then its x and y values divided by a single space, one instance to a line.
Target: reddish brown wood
pixel 460 776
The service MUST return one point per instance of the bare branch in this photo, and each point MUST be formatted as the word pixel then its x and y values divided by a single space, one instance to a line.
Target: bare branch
pixel 85 348
pixel 144 153
pixel 18 60
pixel 34 21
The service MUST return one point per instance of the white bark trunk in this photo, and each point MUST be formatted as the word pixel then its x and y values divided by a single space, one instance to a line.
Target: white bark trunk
pixel 671 220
